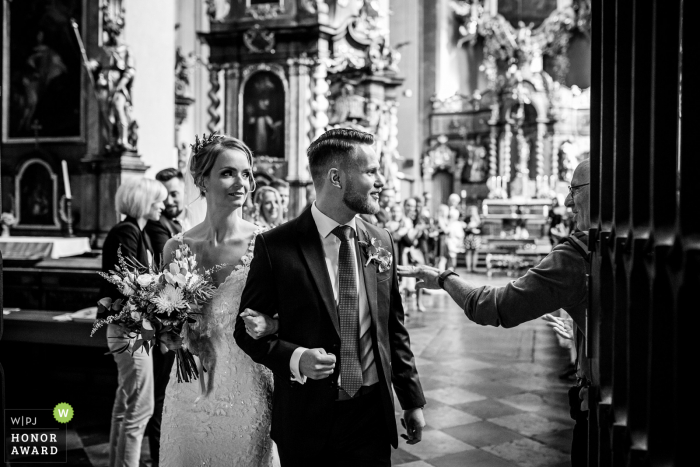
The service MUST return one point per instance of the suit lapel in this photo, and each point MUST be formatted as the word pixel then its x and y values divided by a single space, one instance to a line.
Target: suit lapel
pixel 312 252
pixel 369 272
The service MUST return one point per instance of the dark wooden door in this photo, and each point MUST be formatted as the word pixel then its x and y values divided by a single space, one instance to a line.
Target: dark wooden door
pixel 645 235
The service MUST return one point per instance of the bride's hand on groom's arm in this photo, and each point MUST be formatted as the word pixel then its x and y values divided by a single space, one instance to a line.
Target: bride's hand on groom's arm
pixel 316 364
pixel 259 325
pixel 413 421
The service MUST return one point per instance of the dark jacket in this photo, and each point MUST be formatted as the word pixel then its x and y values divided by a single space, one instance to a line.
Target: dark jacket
pixel 134 243
pixel 159 232
pixel 288 275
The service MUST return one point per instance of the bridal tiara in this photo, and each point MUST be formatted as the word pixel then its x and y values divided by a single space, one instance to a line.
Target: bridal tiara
pixel 205 141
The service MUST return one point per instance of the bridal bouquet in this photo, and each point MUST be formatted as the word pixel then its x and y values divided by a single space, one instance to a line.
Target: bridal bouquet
pixel 158 301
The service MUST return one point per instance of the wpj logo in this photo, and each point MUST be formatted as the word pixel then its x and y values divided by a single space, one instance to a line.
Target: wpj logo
pixel 38 435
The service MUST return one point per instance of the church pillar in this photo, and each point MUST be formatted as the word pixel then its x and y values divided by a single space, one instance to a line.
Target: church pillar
pixel 214 110
pixel 233 83
pixel 319 102
pixel 299 130
pixel 539 154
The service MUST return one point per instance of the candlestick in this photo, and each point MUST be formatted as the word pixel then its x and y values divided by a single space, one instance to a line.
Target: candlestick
pixel 66 181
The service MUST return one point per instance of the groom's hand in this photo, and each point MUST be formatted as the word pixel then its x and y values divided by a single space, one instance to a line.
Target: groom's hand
pixel 316 364
pixel 413 422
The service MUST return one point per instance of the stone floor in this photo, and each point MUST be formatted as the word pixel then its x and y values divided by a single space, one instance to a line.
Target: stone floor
pixel 494 398
pixel 493 395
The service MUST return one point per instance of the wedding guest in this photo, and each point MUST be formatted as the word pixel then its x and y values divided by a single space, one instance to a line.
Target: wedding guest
pixel 472 239
pixel 268 207
pixel 442 222
pixel 140 201
pixel 560 280
pixel 159 233
pixel 454 238
pixel 282 187
pixel 169 224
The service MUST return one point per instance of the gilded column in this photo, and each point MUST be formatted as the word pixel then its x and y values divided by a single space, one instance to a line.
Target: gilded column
pixel 233 82
pixel 507 142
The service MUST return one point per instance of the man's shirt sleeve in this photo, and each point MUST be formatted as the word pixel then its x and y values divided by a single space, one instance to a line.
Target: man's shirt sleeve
pixel 558 281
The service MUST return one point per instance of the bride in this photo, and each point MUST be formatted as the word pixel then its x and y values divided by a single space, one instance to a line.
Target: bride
pixel 224 420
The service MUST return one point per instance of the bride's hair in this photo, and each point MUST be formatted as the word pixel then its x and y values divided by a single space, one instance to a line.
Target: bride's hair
pixel 203 160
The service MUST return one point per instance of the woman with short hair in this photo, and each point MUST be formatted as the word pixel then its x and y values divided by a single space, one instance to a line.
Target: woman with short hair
pixel 268 208
pixel 140 201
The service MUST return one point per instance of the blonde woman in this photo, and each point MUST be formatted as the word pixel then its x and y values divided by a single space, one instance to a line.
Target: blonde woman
pixel 140 201
pixel 268 208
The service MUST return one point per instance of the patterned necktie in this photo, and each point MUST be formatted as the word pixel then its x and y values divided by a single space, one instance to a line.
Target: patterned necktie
pixel 348 311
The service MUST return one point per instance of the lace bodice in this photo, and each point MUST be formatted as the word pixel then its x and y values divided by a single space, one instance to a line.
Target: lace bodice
pixel 229 424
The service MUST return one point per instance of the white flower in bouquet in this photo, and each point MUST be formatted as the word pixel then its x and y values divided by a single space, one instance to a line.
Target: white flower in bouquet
pixel 174 275
pixel 147 325
pixel 169 299
pixel 145 280
pixel 116 278
pixel 126 290
pixel 136 315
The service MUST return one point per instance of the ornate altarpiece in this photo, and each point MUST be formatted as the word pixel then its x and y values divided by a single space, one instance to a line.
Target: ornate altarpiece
pixel 529 124
pixel 293 69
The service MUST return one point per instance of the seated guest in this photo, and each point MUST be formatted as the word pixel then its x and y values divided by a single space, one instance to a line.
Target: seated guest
pixel 159 233
pixel 560 280
pixel 141 201
pixel 268 208
pixel 282 187
pixel 169 224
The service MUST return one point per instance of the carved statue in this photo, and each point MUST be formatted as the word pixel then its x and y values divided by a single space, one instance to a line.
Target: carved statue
pixel 348 106
pixel 114 73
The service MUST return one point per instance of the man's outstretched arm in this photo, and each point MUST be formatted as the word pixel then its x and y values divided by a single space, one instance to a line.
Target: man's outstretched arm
pixel 558 281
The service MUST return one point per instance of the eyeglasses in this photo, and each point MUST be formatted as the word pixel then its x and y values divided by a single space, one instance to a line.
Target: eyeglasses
pixel 572 188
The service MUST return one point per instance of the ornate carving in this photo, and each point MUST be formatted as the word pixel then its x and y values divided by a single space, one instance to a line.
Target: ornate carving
pixel 522 46
pixel 259 40
pixel 265 10
pixel 315 6
pixel 217 9
pixel 440 156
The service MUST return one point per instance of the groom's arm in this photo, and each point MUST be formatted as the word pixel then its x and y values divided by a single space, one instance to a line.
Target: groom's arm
pixel 404 375
pixel 260 295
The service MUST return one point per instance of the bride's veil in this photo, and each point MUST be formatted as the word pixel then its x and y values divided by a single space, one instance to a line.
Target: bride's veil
pixel 195 204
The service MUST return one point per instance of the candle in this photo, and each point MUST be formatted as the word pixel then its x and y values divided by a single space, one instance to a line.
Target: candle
pixel 66 182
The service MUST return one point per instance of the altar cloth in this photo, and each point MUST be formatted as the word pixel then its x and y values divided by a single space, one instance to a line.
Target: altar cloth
pixel 36 248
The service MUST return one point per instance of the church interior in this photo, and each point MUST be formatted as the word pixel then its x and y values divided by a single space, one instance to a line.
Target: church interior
pixel 483 108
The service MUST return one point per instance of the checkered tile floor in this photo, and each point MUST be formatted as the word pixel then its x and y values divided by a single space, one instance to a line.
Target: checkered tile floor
pixel 494 398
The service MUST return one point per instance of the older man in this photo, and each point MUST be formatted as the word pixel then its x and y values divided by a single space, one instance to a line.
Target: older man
pixel 560 280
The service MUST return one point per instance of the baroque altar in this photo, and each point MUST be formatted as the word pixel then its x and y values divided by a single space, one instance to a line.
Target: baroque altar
pixel 524 126
pixel 291 69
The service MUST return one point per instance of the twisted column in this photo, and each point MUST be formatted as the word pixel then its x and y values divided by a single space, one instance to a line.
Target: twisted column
pixel 507 139
pixel 319 102
pixel 214 101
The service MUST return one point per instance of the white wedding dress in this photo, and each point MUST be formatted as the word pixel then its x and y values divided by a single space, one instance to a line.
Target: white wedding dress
pixel 230 426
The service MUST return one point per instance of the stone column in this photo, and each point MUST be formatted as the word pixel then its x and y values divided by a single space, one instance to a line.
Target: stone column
pixel 539 154
pixel 299 124
pixel 233 82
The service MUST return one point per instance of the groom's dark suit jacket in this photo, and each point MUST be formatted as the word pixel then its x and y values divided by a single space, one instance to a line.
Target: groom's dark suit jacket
pixel 288 276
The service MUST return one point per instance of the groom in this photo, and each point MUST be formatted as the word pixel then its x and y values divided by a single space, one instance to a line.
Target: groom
pixel 341 340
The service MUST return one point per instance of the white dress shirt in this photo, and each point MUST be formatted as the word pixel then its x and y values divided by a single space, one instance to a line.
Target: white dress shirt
pixel 331 251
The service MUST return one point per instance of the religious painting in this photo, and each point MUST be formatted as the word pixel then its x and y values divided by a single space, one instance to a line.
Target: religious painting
pixel 527 11
pixel 263 115
pixel 42 68
pixel 35 196
pixel 477 166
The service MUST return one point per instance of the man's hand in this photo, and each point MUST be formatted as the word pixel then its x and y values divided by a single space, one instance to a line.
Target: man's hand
pixel 413 422
pixel 427 276
pixel 316 364
pixel 563 327
pixel 259 325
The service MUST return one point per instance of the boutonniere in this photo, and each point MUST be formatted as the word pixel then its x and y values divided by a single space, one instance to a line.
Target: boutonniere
pixel 376 253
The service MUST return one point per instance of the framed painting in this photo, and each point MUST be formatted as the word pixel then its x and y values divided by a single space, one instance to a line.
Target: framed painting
pixel 42 71
pixel 264 114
